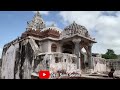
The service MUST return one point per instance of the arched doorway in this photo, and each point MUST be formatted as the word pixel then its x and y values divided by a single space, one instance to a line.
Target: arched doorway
pixel 53 47
pixel 84 58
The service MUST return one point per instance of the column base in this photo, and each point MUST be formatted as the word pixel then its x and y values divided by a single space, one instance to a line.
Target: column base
pixel 90 71
pixel 78 71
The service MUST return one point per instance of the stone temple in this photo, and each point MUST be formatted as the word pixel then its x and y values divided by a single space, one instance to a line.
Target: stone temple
pixel 47 48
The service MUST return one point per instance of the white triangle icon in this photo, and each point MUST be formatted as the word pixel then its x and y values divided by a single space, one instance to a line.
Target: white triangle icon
pixel 44 74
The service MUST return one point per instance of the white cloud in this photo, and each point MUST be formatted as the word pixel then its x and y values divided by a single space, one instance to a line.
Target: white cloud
pixel 43 12
pixel 49 23
pixel 104 27
pixel 85 18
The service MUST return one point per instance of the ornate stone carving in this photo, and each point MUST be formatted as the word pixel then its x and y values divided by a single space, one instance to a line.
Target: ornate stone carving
pixel 42 34
pixel 37 23
pixel 75 29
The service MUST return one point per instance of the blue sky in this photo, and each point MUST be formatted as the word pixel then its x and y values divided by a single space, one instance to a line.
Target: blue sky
pixel 102 25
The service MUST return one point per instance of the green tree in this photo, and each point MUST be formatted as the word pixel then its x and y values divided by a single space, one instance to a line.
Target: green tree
pixel 109 54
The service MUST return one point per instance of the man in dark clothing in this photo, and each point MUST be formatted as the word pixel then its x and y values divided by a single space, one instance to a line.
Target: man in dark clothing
pixel 110 74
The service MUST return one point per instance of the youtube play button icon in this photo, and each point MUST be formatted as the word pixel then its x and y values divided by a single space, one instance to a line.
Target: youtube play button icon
pixel 44 74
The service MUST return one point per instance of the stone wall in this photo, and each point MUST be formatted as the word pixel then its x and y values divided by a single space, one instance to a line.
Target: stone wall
pixel 45 46
pixel 115 63
pixel 17 61
pixel 99 64
pixel 56 43
pixel 0 67
pixel 41 34
pixel 65 62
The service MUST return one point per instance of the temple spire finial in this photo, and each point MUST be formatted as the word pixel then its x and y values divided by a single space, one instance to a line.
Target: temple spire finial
pixel 38 13
pixel 36 23
pixel 53 25
pixel 74 22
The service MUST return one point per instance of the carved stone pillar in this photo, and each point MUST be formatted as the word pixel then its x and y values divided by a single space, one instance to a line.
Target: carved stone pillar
pixel 90 63
pixel 77 50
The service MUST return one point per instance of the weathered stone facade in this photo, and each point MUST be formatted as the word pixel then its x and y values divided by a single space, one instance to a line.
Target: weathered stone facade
pixel 47 48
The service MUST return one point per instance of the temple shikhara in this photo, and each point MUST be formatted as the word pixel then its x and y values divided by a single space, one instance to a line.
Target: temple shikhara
pixel 50 48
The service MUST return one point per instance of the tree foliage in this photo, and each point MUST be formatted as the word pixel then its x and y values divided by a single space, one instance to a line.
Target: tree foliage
pixel 109 54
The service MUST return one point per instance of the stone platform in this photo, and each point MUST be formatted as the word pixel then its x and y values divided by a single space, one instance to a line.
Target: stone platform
pixel 92 76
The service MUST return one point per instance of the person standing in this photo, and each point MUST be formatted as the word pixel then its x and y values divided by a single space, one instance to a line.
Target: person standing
pixel 110 74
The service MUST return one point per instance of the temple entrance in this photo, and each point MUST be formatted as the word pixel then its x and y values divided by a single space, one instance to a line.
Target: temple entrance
pixel 68 47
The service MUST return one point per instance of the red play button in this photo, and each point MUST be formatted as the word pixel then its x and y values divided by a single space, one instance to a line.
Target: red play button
pixel 44 74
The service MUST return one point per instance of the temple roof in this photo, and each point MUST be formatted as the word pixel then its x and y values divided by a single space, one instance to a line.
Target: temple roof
pixel 52 28
pixel 75 27
pixel 36 27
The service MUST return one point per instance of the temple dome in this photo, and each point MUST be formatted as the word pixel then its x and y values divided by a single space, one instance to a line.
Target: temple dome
pixel 74 28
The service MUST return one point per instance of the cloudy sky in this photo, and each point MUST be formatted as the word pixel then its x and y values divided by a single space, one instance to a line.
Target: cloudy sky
pixel 102 25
